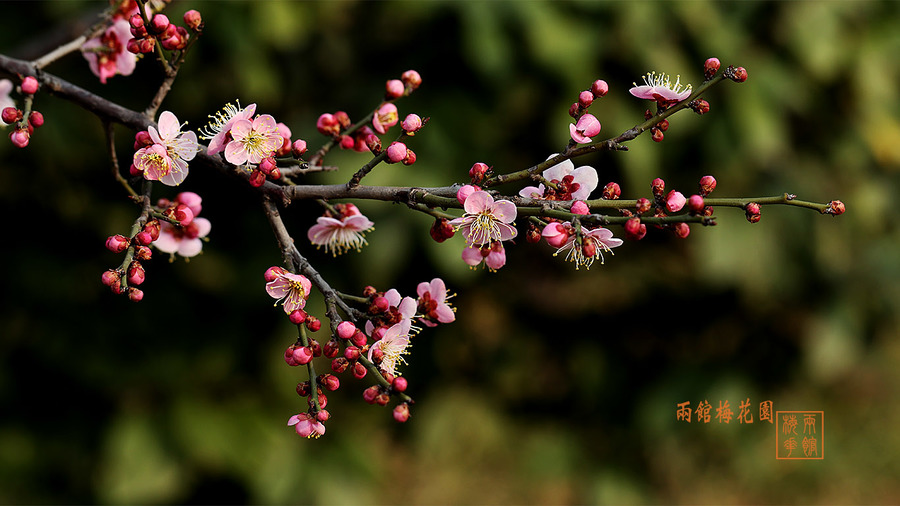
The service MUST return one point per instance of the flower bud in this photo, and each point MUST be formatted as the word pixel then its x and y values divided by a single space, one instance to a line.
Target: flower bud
pixel 359 339
pixel 634 229
pixel 370 393
pixel 574 110
pixel 658 186
pixel 257 178
pixel 36 119
pixel 331 348
pixel 359 371
pixel 411 79
pixel 10 115
pixel 303 389
pixel 599 88
pixel 585 99
pixel 581 207
pixel 266 165
pixel 193 20
pixel 675 201
pixel 133 46
pixel 663 125
pixel 158 24
pixel 642 206
pixel 143 253
pixel 135 295
pixel 707 185
pixel 736 74
pixel 328 125
pixel 532 235
pixel 313 324
pixel 556 234
pixel 695 204
pixel 752 210
pixel 835 208
pixel 136 21
pixel 463 193
pixel 699 106
pixel 410 157
pixel 30 85
pixel 340 364
pixel 346 329
pixel 373 143
pixel 401 412
pixel 298 148
pixel 110 277
pixel 394 89
pixel 323 415
pixel 342 118
pixel 117 243
pixel 302 355
pixel 330 382
pixel 411 124
pixel 399 384
pixel 657 135
pixel 322 398
pixel 147 45
pixel 143 238
pixel 710 67
pixel 478 173
pixel 20 137
pixel 396 152
pixel 382 399
pixel 351 353
pixel 682 230
pixel 441 230
pixel 297 316
pixel 611 191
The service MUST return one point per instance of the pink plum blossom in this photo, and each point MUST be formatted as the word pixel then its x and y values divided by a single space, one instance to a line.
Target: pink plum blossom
pixel 493 256
pixel 585 177
pixel 658 87
pixel 675 201
pixel 180 147
pixel 586 127
pixel 218 132
pixel 385 117
pixel 290 289
pixel 432 303
pixel 106 54
pixel 399 308
pixel 486 220
pixel 393 345
pixel 307 426
pixel 253 141
pixel 341 235
pixel 593 243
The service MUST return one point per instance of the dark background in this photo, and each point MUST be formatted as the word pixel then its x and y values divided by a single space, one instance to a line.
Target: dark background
pixel 553 386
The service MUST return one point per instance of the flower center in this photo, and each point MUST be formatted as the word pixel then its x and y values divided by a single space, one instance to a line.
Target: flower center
pixel 154 160
pixel 484 228
pixel 219 121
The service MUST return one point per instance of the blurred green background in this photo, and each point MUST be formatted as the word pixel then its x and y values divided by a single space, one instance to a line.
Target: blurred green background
pixel 553 386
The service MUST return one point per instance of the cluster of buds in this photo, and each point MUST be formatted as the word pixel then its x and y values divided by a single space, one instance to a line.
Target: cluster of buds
pixel 664 204
pixel 656 131
pixel 586 125
pixel 25 121
pixel 170 37
pixel 408 82
pixel 130 274
pixel 397 152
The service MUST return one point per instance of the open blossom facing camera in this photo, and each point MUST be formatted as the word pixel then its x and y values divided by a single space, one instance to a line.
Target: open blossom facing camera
pixel 432 303
pixel 341 235
pixel 486 220
pixel 658 87
pixel 290 289
pixel 579 187
pixel 593 243
pixel 253 141
pixel 165 159
pixel 186 241
pixel 218 131
pixel 106 54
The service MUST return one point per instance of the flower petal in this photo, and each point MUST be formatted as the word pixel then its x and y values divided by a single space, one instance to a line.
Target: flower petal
pixel 478 201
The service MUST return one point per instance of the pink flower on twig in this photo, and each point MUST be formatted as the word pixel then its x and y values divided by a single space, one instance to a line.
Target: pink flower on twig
pixel 432 303
pixel 166 159
pixel 341 235
pixel 486 220
pixel 218 131
pixel 306 425
pixel 290 289
pixel 253 141
pixel 393 345
pixel 106 54
pixel 584 181
pixel 493 256
pixel 658 87
pixel 593 243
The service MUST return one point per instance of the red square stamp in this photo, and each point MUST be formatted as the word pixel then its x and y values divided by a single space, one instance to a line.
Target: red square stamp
pixel 799 435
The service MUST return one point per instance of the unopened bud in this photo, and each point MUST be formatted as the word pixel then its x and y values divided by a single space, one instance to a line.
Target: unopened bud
pixel 657 135
pixel 410 157
pixel 399 384
pixel 117 243
pixel 297 316
pixel 313 323
pixel 135 295
pixel 396 152
pixel 10 115
pixel 581 207
pixel 710 67
pixel 30 85
pixel 658 186
pixel 634 229
pixel 36 119
pixel 642 205
pixel 599 88
pixel 675 201
pixel 110 277
pixel 340 364
pixel 346 329
pixel 401 412
pixel 752 210
pixel 411 79
pixel 835 208
pixel 479 172
pixel 699 106
pixel 682 230
pixel 394 89
pixel 370 393
pixel 736 74
pixel 441 230
pixel 359 371
pixel 330 382
pixel 411 124
pixel 359 339
pixel 611 191
pixel 707 185
pixel 585 99
pixel 695 203
pixel 193 20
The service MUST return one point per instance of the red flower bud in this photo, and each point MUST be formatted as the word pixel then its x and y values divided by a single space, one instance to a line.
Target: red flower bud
pixel 10 115
pixel 835 207
pixel 707 185
pixel 682 230
pixel 411 79
pixel 399 384
pixel 401 412
pixel 359 371
pixel 394 89
pixel 36 119
pixel 297 316
pixel 611 191
pixel 193 20
pixel 117 243
pixel 752 210
pixel 30 85
pixel 599 88
pixel 710 67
